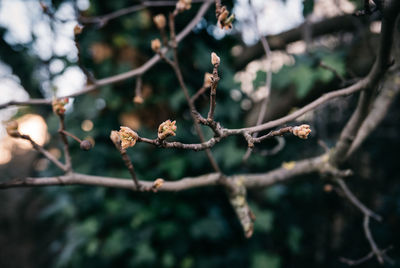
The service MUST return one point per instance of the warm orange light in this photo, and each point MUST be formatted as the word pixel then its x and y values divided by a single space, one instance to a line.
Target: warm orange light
pixel 87 125
pixel 30 124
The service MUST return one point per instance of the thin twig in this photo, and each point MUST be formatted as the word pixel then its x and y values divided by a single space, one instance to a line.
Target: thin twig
pixel 63 131
pixel 365 258
pixel 268 81
pixel 176 68
pixel 64 139
pixel 44 152
pixel 333 70
pixel 104 19
pixel 353 199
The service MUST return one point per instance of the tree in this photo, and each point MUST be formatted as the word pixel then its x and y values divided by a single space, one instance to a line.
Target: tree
pixel 223 125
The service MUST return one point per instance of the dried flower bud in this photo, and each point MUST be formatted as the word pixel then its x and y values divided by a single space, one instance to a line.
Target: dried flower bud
pixel 78 29
pixel 86 145
pixel 183 5
pixel 215 60
pixel 167 128
pixel 128 137
pixel 12 129
pixel 301 131
pixel 59 106
pixel 157 184
pixel 138 99
pixel 160 21
pixel 208 79
pixel 156 45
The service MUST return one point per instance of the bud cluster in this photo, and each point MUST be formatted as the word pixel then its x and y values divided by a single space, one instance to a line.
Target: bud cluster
pixel 183 5
pixel 59 106
pixel 301 131
pixel 224 20
pixel 127 136
pixel 166 129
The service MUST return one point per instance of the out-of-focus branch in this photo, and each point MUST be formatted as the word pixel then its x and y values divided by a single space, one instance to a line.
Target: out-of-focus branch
pixel 380 107
pixel 104 19
pixel 380 254
pixel 121 77
pixel 268 81
pixel 345 23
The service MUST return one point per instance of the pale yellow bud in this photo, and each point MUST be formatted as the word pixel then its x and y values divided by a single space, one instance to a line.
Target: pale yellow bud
pixel 160 21
pixel 215 60
pixel 301 131
pixel 156 45
pixel 208 79
pixel 157 184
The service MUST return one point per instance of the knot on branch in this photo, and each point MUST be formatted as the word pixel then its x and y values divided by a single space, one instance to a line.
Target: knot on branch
pixel 237 198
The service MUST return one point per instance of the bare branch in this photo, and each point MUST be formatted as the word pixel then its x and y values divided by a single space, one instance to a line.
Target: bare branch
pixel 279 175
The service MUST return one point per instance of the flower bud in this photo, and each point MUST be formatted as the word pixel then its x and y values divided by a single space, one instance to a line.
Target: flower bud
pixel 78 29
pixel 215 60
pixel 138 99
pixel 12 129
pixel 160 21
pixel 156 45
pixel 128 137
pixel 166 129
pixel 301 131
pixel 183 5
pixel 59 106
pixel 208 79
pixel 86 145
pixel 157 184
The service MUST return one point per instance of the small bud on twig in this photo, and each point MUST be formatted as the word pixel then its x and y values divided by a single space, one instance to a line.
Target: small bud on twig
pixel 215 60
pixel 183 5
pixel 59 106
pixel 86 145
pixel 138 99
pixel 78 29
pixel 12 129
pixel 224 20
pixel 156 45
pixel 160 21
pixel 167 128
pixel 208 79
pixel 157 184
pixel 127 136
pixel 301 131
